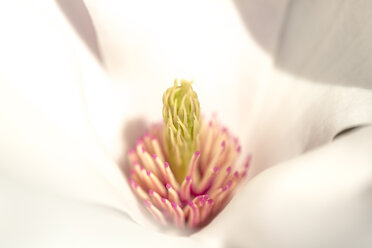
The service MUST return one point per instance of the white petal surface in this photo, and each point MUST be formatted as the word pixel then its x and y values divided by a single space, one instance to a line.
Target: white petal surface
pixel 327 42
pixel 145 45
pixel 321 199
pixel 47 142
pixel 35 218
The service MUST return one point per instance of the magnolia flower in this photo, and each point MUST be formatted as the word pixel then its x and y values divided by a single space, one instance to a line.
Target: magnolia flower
pixel 64 105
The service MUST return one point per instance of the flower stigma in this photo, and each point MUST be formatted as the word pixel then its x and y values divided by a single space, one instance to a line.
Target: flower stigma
pixel 181 113
pixel 184 169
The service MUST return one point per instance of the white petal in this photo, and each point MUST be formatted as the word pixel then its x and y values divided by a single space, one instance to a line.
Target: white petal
pixel 327 42
pixel 292 116
pixel 36 219
pixel 321 199
pixel 47 140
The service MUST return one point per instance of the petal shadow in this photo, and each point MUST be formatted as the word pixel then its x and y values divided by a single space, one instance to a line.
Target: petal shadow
pixel 77 14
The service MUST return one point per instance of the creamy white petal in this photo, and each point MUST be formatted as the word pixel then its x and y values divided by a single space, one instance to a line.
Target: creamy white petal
pixel 320 199
pixel 47 139
pixel 35 218
pixel 328 42
pixel 294 116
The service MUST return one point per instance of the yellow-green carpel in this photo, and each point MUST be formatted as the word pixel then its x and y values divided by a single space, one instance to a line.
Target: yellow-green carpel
pixel 181 113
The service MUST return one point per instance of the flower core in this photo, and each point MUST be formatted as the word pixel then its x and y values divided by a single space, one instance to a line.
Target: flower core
pixel 181 113
pixel 183 169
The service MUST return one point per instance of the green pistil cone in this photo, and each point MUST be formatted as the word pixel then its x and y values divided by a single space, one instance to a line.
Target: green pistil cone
pixel 181 113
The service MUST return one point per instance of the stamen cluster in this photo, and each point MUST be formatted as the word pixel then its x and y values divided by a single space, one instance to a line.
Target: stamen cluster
pixel 210 181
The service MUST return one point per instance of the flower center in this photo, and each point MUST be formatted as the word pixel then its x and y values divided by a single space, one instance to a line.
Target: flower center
pixel 183 169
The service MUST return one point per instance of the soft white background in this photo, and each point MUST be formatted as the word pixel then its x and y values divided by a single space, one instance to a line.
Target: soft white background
pixel 80 80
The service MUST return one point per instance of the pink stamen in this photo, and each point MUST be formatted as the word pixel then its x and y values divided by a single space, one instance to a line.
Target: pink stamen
pixel 156 199
pixel 173 196
pixel 197 153
pixel 206 210
pixel 244 174
pixel 132 182
pixel 236 174
pixel 156 183
pixel 139 191
pixel 206 181
pixel 147 203
pixel 149 163
pixel 157 149
pixel 160 168
pixel 194 215
pixel 170 177
pixel 248 162
pixel 179 220
pixel 216 157
pixel 221 178
pixel 167 206
pixel 229 184
pixel 193 163
pixel 186 189
pixel 155 212
pixel 239 149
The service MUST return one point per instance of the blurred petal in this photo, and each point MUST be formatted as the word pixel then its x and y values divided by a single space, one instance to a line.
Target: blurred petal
pixel 294 116
pixel 264 19
pixel 36 219
pixel 47 140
